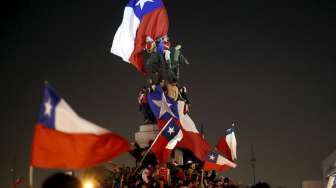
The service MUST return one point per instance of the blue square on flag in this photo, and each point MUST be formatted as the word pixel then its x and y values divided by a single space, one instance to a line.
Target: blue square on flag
pixel 47 109
pixel 171 130
pixel 143 7
pixel 162 106
pixel 212 156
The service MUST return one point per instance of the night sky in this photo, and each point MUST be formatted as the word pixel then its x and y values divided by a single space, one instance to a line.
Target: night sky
pixel 267 66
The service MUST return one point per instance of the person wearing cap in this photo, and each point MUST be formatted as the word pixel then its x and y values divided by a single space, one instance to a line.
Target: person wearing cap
pixel 150 45
pixel 153 60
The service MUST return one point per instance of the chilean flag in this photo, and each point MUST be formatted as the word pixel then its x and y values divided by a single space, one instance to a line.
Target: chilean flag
pixel 62 139
pixel 166 142
pixel 215 161
pixel 141 18
pixel 166 113
pixel 228 144
pixel 192 138
pixel 165 108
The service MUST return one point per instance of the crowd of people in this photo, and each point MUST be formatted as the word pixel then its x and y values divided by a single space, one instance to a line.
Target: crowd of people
pixel 165 175
pixel 160 176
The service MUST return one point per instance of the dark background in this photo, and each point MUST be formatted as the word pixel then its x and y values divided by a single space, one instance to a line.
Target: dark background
pixel 268 66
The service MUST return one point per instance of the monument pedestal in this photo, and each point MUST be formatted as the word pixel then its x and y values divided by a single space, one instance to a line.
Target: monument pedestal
pixel 146 133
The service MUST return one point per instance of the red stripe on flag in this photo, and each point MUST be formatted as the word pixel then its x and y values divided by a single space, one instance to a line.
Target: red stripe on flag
pixel 195 143
pixel 213 166
pixel 154 24
pixel 159 149
pixel 55 149
pixel 223 147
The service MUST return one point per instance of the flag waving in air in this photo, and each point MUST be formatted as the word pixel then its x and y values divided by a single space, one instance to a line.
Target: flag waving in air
pixel 141 18
pixel 165 108
pixel 162 106
pixel 228 144
pixel 166 142
pixel 215 161
pixel 192 139
pixel 62 139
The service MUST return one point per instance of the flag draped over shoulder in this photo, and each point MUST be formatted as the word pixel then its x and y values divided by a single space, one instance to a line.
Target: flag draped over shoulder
pixel 215 161
pixel 62 139
pixel 141 18
pixel 228 144
pixel 164 109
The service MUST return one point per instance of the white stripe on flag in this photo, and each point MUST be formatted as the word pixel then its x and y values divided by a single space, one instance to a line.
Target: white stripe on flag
pixel 232 143
pixel 186 122
pixel 66 120
pixel 172 143
pixel 123 42
pixel 223 161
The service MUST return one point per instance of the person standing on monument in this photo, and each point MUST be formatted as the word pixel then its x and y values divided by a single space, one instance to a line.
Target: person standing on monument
pixel 153 65
pixel 173 91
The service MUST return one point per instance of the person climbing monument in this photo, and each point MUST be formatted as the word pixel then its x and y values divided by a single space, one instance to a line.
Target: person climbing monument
pixel 144 108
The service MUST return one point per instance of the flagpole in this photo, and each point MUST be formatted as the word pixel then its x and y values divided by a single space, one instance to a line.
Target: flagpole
pixel 231 143
pixel 13 170
pixel 148 150
pixel 253 160
pixel 31 169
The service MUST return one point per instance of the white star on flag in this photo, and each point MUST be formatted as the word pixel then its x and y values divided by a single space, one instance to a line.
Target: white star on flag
pixel 141 3
pixel 164 106
pixel 171 130
pixel 48 107
pixel 212 157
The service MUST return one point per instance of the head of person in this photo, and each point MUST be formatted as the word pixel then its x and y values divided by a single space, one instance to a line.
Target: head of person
pixel 165 38
pixel 164 165
pixel 184 89
pixel 162 83
pixel 193 166
pixel 226 181
pixel 150 81
pixel 149 40
pixel 261 185
pixel 61 180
